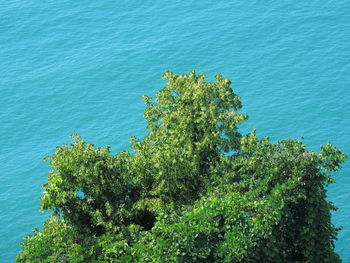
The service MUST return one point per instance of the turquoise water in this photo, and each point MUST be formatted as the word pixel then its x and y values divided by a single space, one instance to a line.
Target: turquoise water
pixel 82 67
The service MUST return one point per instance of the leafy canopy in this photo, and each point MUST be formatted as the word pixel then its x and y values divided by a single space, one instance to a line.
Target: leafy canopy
pixel 192 190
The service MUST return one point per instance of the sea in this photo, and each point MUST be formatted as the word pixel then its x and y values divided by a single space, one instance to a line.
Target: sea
pixel 82 67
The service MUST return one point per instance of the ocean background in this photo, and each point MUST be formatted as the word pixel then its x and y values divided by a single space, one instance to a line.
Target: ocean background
pixel 82 66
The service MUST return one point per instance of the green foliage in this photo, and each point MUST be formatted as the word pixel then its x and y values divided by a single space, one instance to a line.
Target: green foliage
pixel 88 187
pixel 193 190
pixel 57 242
pixel 191 123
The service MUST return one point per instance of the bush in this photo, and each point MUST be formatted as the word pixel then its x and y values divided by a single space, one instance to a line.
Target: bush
pixel 193 190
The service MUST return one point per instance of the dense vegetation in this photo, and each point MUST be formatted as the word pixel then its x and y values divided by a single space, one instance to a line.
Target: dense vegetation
pixel 192 190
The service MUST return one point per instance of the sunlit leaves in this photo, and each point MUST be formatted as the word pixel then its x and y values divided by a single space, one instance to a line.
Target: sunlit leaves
pixel 192 190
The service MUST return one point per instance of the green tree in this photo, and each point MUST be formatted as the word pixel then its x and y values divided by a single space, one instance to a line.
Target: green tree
pixel 88 187
pixel 191 123
pixel 192 190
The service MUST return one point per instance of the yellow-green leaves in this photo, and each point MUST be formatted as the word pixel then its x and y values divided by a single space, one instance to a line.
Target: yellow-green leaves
pixel 88 186
pixel 191 123
pixel 192 190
